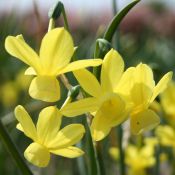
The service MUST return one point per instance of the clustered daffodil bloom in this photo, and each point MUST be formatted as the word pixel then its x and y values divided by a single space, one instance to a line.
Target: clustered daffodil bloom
pixel 106 105
pixel 141 91
pixel 118 94
pixel 46 136
pixel 139 158
pixel 54 59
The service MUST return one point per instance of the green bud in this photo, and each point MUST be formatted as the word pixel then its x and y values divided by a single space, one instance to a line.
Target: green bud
pixel 73 93
pixel 56 10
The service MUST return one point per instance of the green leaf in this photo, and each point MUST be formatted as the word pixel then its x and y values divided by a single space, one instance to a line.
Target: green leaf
pixel 117 19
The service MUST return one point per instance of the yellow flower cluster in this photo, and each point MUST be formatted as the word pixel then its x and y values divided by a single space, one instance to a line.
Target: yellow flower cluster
pixel 119 94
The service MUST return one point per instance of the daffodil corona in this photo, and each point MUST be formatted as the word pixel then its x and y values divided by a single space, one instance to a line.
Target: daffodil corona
pixel 54 59
pixel 46 136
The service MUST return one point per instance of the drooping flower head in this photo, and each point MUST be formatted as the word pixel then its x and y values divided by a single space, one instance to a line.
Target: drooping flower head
pixel 140 90
pixel 107 106
pixel 47 136
pixel 53 59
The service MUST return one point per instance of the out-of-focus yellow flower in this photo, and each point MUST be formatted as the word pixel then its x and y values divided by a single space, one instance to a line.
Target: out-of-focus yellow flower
pixel 9 94
pixel 23 81
pixel 46 136
pixel 167 99
pixel 114 153
pixel 54 58
pixel 141 91
pixel 139 158
pixel 166 135
pixel 107 106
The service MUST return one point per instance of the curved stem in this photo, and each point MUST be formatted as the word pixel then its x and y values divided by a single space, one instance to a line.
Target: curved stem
pixel 13 150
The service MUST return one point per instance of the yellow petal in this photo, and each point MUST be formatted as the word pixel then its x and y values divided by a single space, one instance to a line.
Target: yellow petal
pixel 70 152
pixel 143 121
pixel 67 136
pixel 126 82
pixel 45 88
pixel 56 50
pixel 80 64
pixel 88 82
pixel 98 129
pixel 18 48
pixel 142 89
pixel 48 124
pixel 162 85
pixel 30 71
pixel 80 107
pixel 111 113
pixel 37 154
pixel 26 122
pixel 112 69
pixel 19 127
pixel 168 99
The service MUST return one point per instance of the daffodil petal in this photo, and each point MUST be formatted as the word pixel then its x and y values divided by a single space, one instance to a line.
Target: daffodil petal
pixel 88 82
pixel 19 127
pixel 26 122
pixel 142 90
pixel 143 121
pixel 56 50
pixel 167 99
pixel 67 136
pixel 99 130
pixel 70 152
pixel 112 69
pixel 162 85
pixel 18 48
pixel 80 64
pixel 80 107
pixel 30 71
pixel 126 82
pixel 45 88
pixel 48 124
pixel 37 154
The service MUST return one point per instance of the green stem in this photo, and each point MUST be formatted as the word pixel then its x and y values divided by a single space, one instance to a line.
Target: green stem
pixel 13 150
pixel 66 25
pixel 100 159
pixel 51 24
pixel 91 151
pixel 157 155
pixel 121 151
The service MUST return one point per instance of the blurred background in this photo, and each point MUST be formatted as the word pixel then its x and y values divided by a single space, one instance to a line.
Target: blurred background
pixel 146 35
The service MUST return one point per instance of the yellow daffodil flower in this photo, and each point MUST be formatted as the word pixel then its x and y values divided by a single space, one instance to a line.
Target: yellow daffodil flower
pixel 139 158
pixel 107 106
pixel 167 99
pixel 46 136
pixel 54 58
pixel 138 86
pixel 166 135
